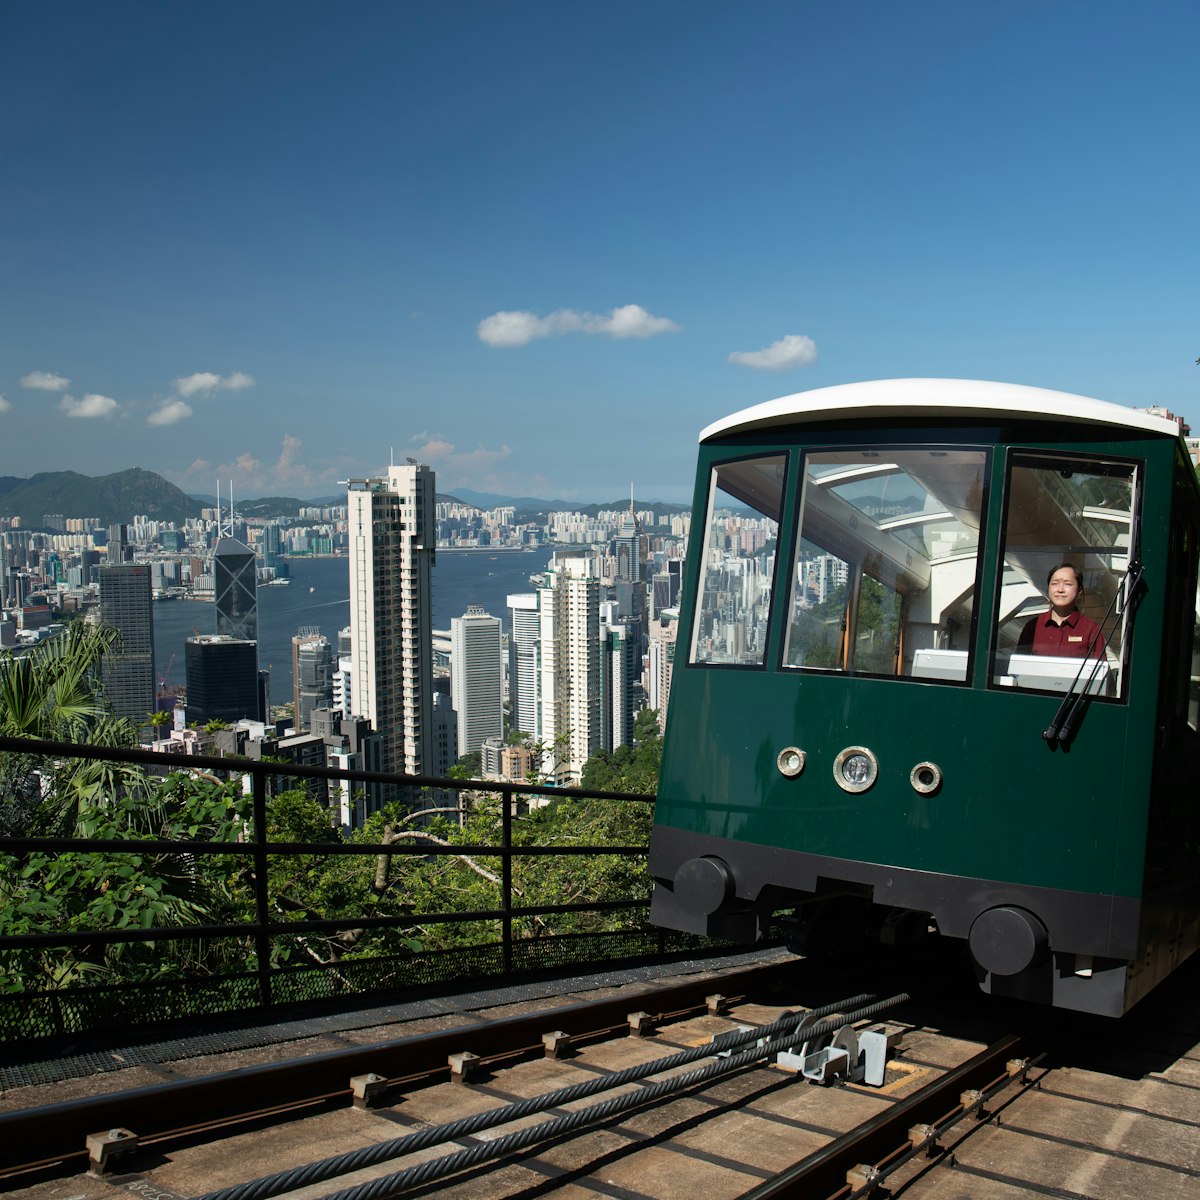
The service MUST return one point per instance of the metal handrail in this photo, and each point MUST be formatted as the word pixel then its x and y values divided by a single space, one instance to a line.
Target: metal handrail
pixel 257 847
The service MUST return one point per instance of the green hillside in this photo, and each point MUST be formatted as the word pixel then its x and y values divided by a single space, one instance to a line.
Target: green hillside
pixel 112 498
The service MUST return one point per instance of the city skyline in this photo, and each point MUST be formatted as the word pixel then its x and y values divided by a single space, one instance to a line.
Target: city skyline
pixel 235 240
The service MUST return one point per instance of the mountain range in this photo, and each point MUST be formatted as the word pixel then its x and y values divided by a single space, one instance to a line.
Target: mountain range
pixel 117 498
pixel 114 499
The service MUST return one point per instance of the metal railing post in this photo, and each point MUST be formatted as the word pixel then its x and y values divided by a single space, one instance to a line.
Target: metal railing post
pixel 507 800
pixel 262 913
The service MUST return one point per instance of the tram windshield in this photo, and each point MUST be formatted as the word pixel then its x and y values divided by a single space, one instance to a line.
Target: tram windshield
pixel 886 572
pixel 1075 517
pixel 742 526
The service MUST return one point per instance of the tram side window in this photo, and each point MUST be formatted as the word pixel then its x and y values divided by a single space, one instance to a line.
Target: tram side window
pixel 740 533
pixel 1065 517
pixel 886 574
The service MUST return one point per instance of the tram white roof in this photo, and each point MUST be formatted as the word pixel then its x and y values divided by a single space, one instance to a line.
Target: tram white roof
pixel 891 398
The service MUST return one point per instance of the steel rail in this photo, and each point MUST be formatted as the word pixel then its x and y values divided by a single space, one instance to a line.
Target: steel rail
pixel 57 1132
pixel 823 1175
pixel 582 1120
pixel 280 1182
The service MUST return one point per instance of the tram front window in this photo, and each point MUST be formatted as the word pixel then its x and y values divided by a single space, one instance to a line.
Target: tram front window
pixel 1065 518
pixel 886 572
pixel 740 532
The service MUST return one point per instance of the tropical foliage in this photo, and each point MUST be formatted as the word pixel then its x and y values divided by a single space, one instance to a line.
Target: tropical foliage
pixel 55 692
pixel 437 860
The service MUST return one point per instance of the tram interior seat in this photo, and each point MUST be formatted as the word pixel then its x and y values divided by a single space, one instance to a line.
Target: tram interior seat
pixel 1050 673
pixel 940 664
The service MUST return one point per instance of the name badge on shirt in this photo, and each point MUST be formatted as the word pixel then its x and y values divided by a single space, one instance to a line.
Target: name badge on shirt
pixel 1075 639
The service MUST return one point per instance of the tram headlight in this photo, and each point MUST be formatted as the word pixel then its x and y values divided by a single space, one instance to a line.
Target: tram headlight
pixel 855 769
pixel 791 761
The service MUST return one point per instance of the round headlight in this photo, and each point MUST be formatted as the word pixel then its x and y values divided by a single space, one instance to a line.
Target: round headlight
pixel 855 769
pixel 791 761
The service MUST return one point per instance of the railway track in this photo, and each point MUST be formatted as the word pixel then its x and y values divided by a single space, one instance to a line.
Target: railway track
pixel 652 1094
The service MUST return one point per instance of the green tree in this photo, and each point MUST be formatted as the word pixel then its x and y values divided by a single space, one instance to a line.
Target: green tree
pixel 468 766
pixel 86 890
pixel 54 692
pixel 157 720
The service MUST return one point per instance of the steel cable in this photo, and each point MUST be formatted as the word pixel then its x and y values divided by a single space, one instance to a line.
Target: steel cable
pixel 355 1160
pixel 437 1168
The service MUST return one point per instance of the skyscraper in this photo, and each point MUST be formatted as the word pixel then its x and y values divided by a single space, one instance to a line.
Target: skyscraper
pixel 660 594
pixel 127 604
pixel 663 631
pixel 444 742
pixel 236 590
pixel 118 543
pixel 523 635
pixel 569 716
pixel 392 540
pixel 343 693
pixel 312 675
pixel 476 683
pixel 630 588
pixel 629 545
pixel 222 679
pixel 618 646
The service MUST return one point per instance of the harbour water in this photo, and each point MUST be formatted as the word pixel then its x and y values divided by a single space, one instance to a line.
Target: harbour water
pixel 319 595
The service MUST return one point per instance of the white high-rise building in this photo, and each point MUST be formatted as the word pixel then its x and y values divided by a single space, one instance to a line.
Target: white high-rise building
pixel 569 668
pixel 663 631
pixel 343 689
pixel 524 628
pixel 476 678
pixel 392 538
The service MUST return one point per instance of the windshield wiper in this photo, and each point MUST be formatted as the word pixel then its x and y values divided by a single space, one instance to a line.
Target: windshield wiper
pixel 1075 701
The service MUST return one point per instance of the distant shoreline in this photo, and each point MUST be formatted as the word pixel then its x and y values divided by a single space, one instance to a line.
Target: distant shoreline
pixel 446 550
pixel 488 549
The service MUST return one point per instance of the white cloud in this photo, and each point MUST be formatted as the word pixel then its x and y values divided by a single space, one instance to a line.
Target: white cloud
pixel 462 468
pixel 632 320
pixel 795 350
pixel 256 478
pixel 90 406
pixel 484 469
pixel 44 381
pixel 521 328
pixel 4 404
pixel 169 412
pixel 206 381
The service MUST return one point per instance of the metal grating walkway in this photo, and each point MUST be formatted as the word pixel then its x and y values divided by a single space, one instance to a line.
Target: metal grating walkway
pixel 22 1066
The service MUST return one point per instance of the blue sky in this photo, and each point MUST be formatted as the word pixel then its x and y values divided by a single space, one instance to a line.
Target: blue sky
pixel 541 245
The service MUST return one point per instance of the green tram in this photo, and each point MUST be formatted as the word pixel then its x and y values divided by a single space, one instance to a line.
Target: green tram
pixel 860 728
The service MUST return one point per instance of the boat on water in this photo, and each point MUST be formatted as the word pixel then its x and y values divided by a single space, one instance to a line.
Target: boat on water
pixel 275 583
